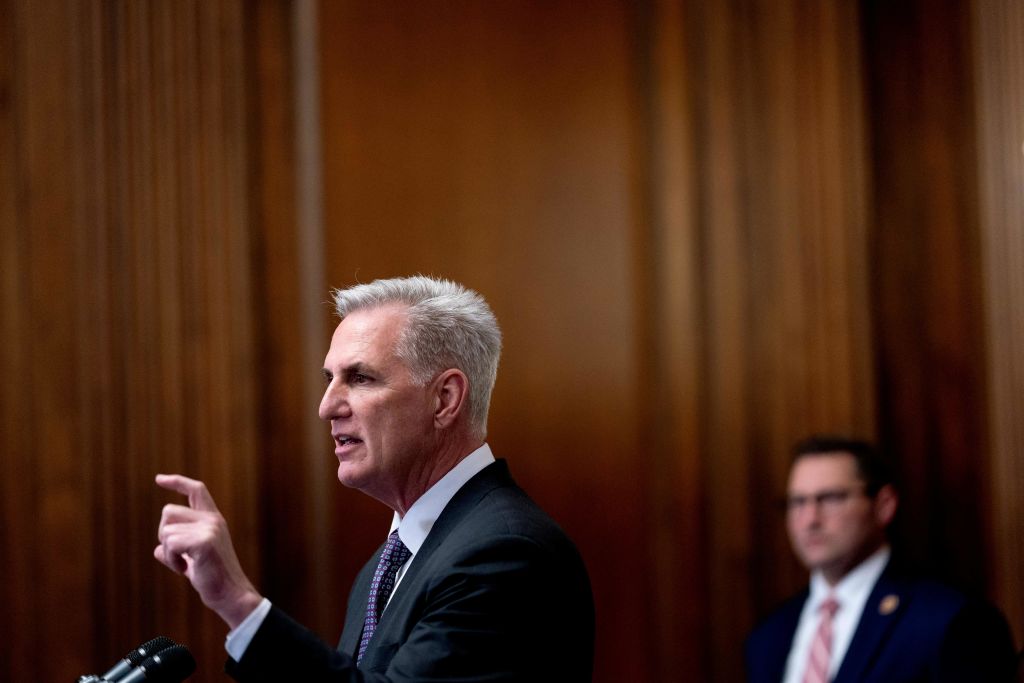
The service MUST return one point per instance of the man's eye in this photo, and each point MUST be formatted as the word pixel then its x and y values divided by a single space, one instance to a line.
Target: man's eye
pixel 832 497
pixel 360 378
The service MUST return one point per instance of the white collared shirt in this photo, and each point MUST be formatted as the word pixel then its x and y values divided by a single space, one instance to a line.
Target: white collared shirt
pixel 413 529
pixel 851 593
pixel 420 517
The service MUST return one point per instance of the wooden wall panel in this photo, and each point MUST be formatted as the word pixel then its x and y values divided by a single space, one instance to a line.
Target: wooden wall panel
pixel 999 107
pixel 707 229
pixel 127 319
pixel 776 231
pixel 927 292
pixel 493 143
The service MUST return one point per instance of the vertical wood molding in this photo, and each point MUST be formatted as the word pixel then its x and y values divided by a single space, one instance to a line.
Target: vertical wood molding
pixel 670 265
pixel 999 72
pixel 292 317
pixel 722 130
pixel 17 471
pixel 312 273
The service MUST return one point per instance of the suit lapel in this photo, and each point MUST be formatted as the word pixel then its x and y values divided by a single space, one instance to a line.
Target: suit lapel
pixel 483 482
pixel 493 476
pixel 885 606
pixel 778 651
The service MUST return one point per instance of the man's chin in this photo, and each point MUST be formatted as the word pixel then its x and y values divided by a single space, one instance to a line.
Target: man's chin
pixel 350 476
pixel 816 560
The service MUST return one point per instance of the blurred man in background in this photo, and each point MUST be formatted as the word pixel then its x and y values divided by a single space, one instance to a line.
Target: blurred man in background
pixel 861 618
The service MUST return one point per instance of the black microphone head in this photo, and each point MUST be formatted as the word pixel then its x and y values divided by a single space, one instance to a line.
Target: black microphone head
pixel 148 649
pixel 136 657
pixel 171 665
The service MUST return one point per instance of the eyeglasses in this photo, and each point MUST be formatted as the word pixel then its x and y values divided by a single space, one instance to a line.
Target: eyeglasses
pixel 827 501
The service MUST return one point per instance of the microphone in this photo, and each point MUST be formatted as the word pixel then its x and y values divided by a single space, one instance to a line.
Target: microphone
pixel 136 657
pixel 171 665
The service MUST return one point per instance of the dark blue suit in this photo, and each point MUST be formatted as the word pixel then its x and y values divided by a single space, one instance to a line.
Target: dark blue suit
pixel 910 630
pixel 497 592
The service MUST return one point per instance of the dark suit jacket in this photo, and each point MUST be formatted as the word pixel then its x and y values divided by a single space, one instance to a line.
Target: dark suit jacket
pixel 911 630
pixel 497 592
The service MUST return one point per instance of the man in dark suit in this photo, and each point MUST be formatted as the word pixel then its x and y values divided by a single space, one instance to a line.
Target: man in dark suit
pixel 862 619
pixel 475 582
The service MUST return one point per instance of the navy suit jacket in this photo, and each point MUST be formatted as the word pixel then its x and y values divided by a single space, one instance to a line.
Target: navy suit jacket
pixel 497 592
pixel 911 630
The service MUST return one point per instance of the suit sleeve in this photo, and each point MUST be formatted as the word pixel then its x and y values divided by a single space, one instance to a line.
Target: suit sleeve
pixel 977 646
pixel 284 650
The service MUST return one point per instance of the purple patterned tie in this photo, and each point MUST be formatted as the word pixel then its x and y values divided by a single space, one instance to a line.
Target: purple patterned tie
pixel 394 556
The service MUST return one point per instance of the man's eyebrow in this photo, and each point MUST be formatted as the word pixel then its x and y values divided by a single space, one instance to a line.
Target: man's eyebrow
pixel 354 368
pixel 357 368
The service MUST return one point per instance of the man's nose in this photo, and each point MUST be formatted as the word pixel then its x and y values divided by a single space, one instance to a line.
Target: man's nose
pixel 809 514
pixel 813 512
pixel 334 403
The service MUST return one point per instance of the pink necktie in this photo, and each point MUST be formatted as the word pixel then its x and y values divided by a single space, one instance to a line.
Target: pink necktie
pixel 821 646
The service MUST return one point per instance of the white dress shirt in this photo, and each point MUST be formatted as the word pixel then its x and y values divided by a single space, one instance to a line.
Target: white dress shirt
pixel 851 593
pixel 412 529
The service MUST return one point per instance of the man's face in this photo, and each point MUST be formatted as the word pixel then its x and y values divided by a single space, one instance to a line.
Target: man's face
pixel 381 422
pixel 832 523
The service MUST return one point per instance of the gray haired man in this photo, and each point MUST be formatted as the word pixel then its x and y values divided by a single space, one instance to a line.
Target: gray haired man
pixel 475 582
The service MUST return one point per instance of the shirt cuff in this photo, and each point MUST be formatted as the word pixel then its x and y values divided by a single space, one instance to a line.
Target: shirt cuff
pixel 238 640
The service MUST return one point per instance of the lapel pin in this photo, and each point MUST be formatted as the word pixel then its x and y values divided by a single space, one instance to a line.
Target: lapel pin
pixel 888 605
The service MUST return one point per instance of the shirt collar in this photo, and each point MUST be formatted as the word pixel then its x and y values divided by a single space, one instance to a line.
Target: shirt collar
pixel 858 581
pixel 420 517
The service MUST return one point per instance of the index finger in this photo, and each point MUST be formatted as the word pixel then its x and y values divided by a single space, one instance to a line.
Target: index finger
pixel 199 497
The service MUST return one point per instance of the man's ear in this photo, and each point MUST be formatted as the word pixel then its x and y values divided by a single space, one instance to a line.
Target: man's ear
pixel 886 502
pixel 451 395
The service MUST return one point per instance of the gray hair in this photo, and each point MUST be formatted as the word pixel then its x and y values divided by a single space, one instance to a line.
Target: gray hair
pixel 448 326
